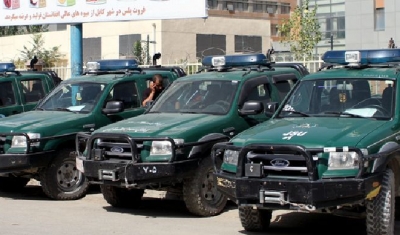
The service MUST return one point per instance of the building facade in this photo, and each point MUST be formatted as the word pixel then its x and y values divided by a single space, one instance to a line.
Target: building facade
pixel 373 24
pixel 331 16
pixel 233 26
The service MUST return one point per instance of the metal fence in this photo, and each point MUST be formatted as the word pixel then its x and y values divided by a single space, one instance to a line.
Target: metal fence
pixel 191 68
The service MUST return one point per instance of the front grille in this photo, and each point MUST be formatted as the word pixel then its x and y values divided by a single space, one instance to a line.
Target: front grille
pixel 118 148
pixel 288 164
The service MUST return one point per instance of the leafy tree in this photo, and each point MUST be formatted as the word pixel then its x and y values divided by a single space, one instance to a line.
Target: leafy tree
pixel 139 52
pixel 17 30
pixel 301 31
pixel 9 30
pixel 48 56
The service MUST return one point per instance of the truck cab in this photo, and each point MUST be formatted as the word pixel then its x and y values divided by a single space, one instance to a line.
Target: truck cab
pixel 168 148
pixel 332 146
pixel 37 144
pixel 20 91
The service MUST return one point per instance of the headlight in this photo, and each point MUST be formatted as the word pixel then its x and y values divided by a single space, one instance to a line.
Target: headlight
pixel 163 147
pixel 20 140
pixel 231 157
pixel 342 160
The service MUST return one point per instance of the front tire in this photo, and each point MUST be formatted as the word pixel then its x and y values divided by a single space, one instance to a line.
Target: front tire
pixel 121 197
pixel 61 180
pixel 254 220
pixel 200 193
pixel 380 210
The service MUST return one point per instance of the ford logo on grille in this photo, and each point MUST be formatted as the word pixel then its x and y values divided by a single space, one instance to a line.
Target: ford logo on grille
pixel 280 162
pixel 117 149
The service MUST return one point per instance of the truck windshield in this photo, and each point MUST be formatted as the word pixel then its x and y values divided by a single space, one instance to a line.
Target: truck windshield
pixel 75 97
pixel 210 96
pixel 365 98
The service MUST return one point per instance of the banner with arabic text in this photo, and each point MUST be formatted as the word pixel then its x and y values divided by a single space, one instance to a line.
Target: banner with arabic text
pixel 33 12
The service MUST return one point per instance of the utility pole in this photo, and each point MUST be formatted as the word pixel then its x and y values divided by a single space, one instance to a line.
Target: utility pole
pixel 147 41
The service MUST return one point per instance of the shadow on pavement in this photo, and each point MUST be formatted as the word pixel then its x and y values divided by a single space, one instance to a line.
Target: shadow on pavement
pixel 35 192
pixel 162 207
pixel 316 224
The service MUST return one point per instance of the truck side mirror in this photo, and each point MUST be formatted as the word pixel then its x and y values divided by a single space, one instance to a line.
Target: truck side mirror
pixel 251 108
pixel 271 108
pixel 113 107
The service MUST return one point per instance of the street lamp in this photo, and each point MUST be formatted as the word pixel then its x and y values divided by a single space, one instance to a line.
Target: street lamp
pixel 331 41
pixel 147 48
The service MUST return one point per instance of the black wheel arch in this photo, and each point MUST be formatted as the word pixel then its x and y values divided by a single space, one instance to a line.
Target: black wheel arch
pixel 390 159
pixel 203 150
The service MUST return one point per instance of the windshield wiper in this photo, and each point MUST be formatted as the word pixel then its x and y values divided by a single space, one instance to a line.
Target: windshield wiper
pixel 41 109
pixel 187 112
pixel 345 113
pixel 64 109
pixel 297 112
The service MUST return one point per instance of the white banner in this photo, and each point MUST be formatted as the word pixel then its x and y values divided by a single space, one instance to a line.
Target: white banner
pixel 33 12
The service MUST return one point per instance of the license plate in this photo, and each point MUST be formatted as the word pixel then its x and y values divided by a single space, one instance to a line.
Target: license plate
pixel 79 165
pixel 253 170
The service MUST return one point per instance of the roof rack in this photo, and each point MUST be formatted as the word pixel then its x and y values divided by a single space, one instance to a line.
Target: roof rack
pixel 116 66
pixel 362 58
pixel 224 62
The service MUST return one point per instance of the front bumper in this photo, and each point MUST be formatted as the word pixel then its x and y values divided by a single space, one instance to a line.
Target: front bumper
pixel 122 173
pixel 17 162
pixel 102 167
pixel 257 184
pixel 289 194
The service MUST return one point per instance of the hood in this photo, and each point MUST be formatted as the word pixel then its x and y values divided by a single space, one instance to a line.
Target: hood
pixel 166 124
pixel 41 121
pixel 310 132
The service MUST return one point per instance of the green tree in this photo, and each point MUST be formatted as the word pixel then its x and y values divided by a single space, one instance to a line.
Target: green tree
pixel 139 52
pixel 26 29
pixel 301 31
pixel 48 56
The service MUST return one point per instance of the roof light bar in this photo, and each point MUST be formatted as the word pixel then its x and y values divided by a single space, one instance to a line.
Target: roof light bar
pixel 111 65
pixel 235 60
pixel 7 67
pixel 362 57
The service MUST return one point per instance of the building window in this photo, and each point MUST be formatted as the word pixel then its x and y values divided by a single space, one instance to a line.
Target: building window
pixel 210 44
pixel 248 44
pixel 212 4
pixel 285 8
pixel 379 15
pixel 91 49
pixel 274 30
pixel 271 9
pixel 258 7
pixel 126 44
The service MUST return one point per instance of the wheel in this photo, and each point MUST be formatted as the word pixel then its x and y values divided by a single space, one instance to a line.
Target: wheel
pixel 380 210
pixel 12 183
pixel 200 193
pixel 254 219
pixel 121 197
pixel 61 180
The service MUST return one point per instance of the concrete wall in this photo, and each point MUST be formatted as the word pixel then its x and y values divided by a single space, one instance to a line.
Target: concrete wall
pixel 175 39
pixel 360 25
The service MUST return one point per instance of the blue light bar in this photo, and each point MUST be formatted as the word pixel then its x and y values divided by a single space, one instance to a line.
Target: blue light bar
pixel 7 67
pixel 349 57
pixel 235 60
pixel 111 65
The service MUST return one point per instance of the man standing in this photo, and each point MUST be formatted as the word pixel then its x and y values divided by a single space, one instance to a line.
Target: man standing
pixel 33 62
pixel 155 89
pixel 391 43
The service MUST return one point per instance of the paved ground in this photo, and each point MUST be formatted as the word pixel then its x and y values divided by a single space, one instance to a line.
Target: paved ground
pixel 30 212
